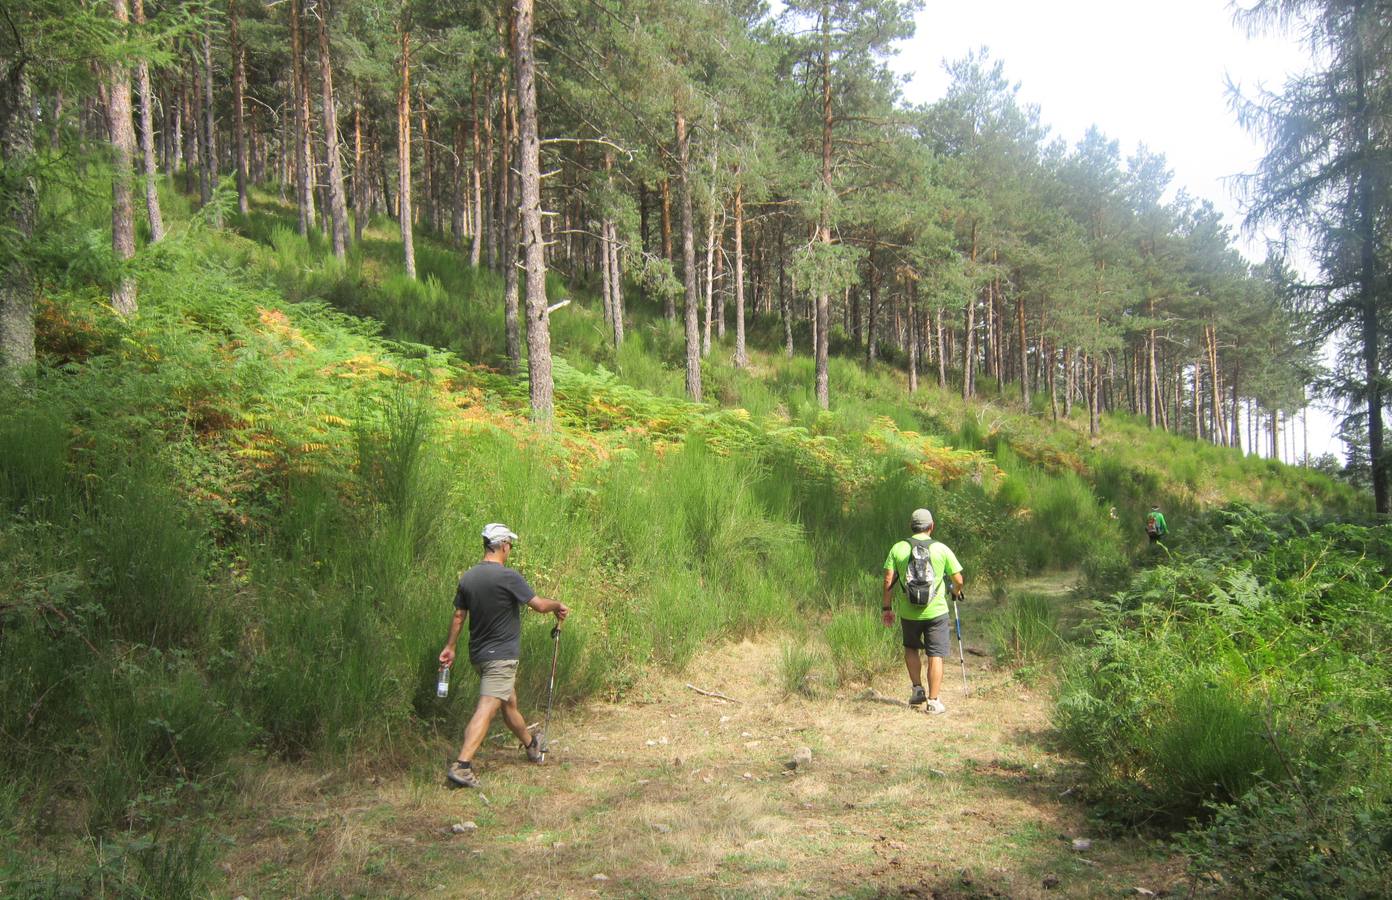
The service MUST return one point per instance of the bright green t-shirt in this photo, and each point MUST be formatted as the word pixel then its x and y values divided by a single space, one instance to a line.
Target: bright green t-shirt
pixel 945 565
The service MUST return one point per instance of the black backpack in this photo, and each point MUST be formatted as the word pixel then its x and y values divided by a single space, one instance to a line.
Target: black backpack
pixel 920 581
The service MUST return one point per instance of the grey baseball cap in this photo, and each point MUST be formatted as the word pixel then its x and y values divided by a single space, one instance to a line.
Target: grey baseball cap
pixel 497 533
pixel 921 520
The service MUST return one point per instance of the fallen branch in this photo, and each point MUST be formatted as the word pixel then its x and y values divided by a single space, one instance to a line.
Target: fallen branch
pixel 875 696
pixel 716 694
pixel 555 306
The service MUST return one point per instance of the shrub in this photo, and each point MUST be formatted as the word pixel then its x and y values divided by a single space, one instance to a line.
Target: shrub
pixel 1210 676
pixel 1284 840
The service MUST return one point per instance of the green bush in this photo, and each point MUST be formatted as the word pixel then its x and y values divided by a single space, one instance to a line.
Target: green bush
pixel 1285 840
pixel 1211 676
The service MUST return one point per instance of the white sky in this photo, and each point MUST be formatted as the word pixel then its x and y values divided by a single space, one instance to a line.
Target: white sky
pixel 1152 73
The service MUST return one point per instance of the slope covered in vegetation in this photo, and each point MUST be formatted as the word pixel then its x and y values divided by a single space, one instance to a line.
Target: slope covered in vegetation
pixel 233 521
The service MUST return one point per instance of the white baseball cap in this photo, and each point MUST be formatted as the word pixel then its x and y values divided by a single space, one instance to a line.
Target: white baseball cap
pixel 497 533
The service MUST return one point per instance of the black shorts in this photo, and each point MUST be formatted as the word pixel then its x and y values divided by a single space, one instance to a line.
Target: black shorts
pixel 932 635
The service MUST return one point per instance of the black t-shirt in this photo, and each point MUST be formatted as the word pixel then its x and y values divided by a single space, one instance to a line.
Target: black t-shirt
pixel 494 596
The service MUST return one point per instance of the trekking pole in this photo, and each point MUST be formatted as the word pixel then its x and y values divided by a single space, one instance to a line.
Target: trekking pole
pixel 550 688
pixel 961 653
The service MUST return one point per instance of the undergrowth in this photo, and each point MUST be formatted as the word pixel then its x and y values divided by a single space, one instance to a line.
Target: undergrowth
pixel 233 522
pixel 1244 692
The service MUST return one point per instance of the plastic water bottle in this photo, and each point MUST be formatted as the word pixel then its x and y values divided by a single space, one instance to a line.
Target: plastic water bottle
pixel 442 686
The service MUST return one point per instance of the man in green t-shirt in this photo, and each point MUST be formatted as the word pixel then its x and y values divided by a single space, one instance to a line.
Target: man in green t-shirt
pixel 923 566
pixel 1155 525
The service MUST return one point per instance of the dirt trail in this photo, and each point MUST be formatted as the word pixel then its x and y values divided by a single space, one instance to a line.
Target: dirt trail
pixel 676 794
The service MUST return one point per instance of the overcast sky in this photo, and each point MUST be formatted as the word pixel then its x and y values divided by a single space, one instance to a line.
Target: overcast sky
pixel 1151 73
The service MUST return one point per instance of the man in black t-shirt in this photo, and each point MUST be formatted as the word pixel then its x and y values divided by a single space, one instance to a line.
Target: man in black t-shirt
pixel 492 596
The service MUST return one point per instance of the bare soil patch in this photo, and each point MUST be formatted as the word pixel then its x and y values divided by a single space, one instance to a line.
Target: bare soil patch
pixel 671 793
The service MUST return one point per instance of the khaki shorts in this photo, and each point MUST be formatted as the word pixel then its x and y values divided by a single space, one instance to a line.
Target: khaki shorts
pixel 497 677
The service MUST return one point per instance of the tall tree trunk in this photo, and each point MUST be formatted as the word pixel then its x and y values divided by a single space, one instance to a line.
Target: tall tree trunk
pixel 19 195
pixel 605 274
pixel 1367 229
pixel 616 286
pixel 507 215
pixel 643 197
pixel 538 324
pixel 669 307
pixel 147 137
pixel 210 151
pixel 1069 375
pixel 490 199
pixel 741 353
pixel 693 331
pixel 476 239
pixel 1198 404
pixel 403 147
pixel 239 137
pixel 457 202
pixel 824 225
pixel 118 111
pixel 969 332
pixel 304 156
pixel 1095 399
pixel 429 213
pixel 338 207
pixel 913 334
pixel 720 289
pixel 1023 350
pixel 710 280
pixel 188 104
pixel 784 302
pixel 360 179
pixel 942 347
pixel 873 304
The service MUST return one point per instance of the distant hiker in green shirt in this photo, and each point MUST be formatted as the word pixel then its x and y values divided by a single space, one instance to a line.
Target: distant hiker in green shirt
pixel 1155 527
pixel 923 566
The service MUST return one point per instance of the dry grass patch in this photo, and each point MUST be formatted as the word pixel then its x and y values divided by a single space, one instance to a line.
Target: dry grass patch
pixel 677 794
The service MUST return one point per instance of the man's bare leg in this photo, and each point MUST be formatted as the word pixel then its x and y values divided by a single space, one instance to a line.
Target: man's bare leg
pixel 516 723
pixel 935 670
pixel 914 665
pixel 478 727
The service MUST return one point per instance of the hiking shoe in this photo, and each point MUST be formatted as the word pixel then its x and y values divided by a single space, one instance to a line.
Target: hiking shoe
pixel 918 695
pixel 934 707
pixel 533 749
pixel 459 775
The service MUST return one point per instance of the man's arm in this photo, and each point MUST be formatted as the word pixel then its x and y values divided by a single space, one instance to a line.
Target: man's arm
pixel 886 607
pixel 957 583
pixel 456 625
pixel 542 605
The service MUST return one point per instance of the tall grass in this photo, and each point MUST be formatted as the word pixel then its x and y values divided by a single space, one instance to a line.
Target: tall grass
pixel 861 647
pixel 1025 632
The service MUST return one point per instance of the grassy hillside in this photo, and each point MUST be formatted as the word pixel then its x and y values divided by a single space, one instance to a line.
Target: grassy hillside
pixel 231 524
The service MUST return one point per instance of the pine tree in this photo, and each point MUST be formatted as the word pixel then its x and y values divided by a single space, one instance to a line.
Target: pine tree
pixel 1325 175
